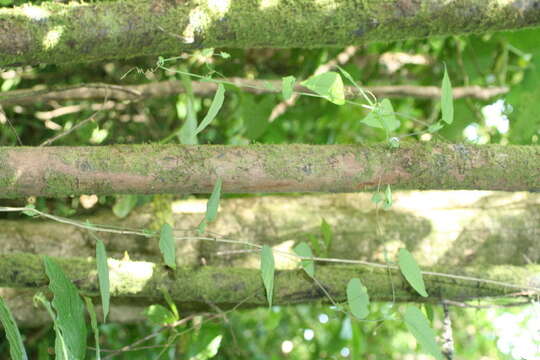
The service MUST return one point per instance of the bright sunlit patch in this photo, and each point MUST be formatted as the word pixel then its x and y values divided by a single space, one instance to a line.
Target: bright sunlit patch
pixel 219 7
pixel 35 12
pixel 287 346
pixel 309 334
pixel 345 352
pixel 265 4
pixel 129 276
pixel 494 115
pixel 52 37
pixel 323 318
pixel 471 132
pixel 192 206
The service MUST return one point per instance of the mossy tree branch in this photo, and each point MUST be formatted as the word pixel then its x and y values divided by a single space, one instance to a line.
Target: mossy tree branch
pixel 150 169
pixel 77 32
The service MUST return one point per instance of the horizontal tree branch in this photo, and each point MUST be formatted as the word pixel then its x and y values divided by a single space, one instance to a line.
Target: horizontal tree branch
pixel 151 169
pixel 196 288
pixel 442 228
pixel 207 88
pixel 77 32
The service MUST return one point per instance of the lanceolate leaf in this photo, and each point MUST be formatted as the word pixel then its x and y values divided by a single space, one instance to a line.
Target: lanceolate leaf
pixel 329 85
pixel 16 347
pixel 418 325
pixel 267 271
pixel 327 235
pixel 447 100
pixel 217 102
pixel 93 323
pixel 167 245
pixel 69 309
pixel 287 86
pixel 411 271
pixel 103 277
pixel 357 298
pixel 187 134
pixel 304 250
pixel 213 202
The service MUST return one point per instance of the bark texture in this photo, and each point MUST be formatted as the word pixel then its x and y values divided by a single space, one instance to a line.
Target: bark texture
pixel 174 87
pixel 150 169
pixel 57 33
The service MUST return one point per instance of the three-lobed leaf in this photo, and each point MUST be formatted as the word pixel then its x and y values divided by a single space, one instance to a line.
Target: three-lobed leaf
pixel 303 250
pixel 103 277
pixel 69 309
pixel 418 325
pixel 411 271
pixel 357 298
pixel 167 245
pixel 447 99
pixel 267 272
pixel 16 347
pixel 329 85
pixel 287 87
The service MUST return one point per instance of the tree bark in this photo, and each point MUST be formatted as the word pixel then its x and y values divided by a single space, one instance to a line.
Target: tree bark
pixel 58 33
pixel 150 169
pixel 197 288
pixel 207 88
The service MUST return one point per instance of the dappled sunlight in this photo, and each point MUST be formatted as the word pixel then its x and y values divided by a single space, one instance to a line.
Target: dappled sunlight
pixel 129 276
pixel 219 7
pixel 50 40
pixel 266 4
pixel 35 12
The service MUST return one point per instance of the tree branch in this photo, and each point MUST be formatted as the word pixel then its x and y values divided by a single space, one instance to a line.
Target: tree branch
pixel 151 169
pixel 207 88
pixel 79 32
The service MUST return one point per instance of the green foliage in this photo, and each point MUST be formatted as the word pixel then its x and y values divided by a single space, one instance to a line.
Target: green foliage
pixel 167 245
pixel 418 325
pixel 287 87
pixel 329 85
pixel 383 117
pixel 124 204
pixel 159 315
pixel 358 298
pixel 303 250
pixel 94 324
pixel 212 206
pixel 103 277
pixel 69 310
pixel 16 346
pixel 447 99
pixel 217 102
pixel 267 272
pixel 411 271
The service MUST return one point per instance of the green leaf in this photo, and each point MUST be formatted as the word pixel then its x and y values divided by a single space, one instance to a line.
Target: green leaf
pixel 393 142
pixel 16 347
pixel 377 197
pixel 94 324
pixel 187 134
pixel 60 348
pixel 267 271
pixel 387 198
pixel 217 102
pixel 287 86
pixel 304 250
pixel 69 309
pixel 167 245
pixel 358 87
pixel 30 212
pixel 382 117
pixel 418 325
pixel 224 55
pixel 314 244
pixel 213 202
pixel 159 315
pixel 429 312
pixel 433 128
pixel 447 100
pixel 327 235
pixel 255 114
pixel 411 271
pixel 357 298
pixel 329 85
pixel 124 204
pixel 103 277
pixel 170 302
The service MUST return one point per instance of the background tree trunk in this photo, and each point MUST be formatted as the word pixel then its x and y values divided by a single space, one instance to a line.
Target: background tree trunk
pixel 57 33
pixel 151 169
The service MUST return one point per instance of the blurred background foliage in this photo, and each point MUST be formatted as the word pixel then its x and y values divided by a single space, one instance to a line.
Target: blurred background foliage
pixel 317 331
